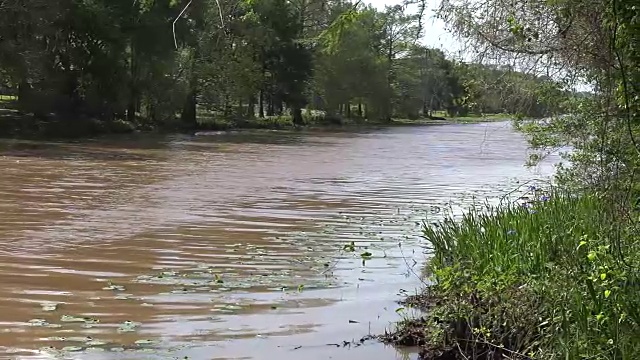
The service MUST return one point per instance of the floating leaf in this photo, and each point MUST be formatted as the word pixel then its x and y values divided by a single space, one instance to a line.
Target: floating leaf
pixel 96 349
pixel 78 319
pixel 38 322
pixel 366 255
pixel 96 343
pixel 128 326
pixel 114 287
pixel 78 339
pixel 144 342
pixel 49 306
pixel 72 348
pixel 350 247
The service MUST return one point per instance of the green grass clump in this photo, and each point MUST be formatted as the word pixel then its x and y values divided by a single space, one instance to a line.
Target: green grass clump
pixel 558 278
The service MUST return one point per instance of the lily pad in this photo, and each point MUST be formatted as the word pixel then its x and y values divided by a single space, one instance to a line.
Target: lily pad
pixel 114 287
pixel 144 342
pixel 80 339
pixel 38 322
pixel 48 349
pixel 128 326
pixel 49 306
pixel 78 319
pixel 72 348
pixel 96 343
pixel 182 291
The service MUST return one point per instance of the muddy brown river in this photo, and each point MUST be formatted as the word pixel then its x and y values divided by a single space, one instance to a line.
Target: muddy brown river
pixel 234 245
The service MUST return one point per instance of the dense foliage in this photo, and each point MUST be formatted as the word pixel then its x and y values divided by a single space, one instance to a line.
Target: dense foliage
pixel 168 61
pixel 556 278
pixel 539 281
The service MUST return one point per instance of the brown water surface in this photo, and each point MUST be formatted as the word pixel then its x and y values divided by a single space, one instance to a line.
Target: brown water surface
pixel 229 246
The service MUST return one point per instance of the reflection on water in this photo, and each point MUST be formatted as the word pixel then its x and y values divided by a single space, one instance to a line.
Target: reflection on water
pixel 229 245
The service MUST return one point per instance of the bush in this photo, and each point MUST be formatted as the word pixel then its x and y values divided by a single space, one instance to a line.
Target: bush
pixel 555 278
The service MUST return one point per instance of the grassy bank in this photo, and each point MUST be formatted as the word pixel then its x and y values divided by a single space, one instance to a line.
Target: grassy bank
pixel 14 124
pixel 556 278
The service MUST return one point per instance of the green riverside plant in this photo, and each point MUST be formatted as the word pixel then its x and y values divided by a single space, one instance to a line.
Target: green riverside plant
pixel 554 278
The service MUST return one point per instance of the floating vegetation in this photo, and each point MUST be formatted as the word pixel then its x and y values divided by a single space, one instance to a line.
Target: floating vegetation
pixel 38 322
pixel 145 342
pixel 350 247
pixel 49 307
pixel 96 349
pixel 183 291
pixel 113 287
pixel 72 348
pixel 128 326
pixel 96 343
pixel 78 319
pixel 228 308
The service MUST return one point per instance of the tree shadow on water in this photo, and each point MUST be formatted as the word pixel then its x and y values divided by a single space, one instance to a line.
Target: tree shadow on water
pixel 74 151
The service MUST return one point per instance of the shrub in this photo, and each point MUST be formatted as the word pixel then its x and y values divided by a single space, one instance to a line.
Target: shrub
pixel 556 278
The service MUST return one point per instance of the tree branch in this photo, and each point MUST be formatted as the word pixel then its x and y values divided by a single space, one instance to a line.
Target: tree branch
pixel 175 41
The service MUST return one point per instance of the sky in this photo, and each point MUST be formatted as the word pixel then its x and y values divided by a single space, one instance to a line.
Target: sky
pixel 435 34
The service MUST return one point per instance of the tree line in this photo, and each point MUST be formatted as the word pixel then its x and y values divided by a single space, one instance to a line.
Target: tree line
pixel 168 61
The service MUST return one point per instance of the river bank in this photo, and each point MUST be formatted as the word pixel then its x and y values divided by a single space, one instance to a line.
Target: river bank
pixel 553 277
pixel 16 125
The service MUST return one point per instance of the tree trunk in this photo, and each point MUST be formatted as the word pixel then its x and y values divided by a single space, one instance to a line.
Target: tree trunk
pixel 296 112
pixel 133 91
pixel 188 116
pixel 261 111
pixel 270 106
pixel 240 108
pixel 348 108
pixel 251 108
pixel 151 112
pixel 388 108
pixel 360 109
pixel 24 94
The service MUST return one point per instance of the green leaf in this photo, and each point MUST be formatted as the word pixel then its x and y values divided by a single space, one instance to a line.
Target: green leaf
pixel 366 255
pixel 591 256
pixel 607 293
